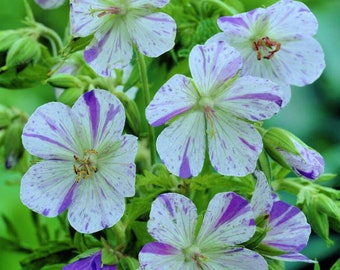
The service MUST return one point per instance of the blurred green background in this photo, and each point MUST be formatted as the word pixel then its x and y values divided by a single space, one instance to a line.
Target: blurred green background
pixel 313 115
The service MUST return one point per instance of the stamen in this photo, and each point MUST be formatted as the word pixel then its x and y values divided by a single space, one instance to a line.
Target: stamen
pixel 109 10
pixel 266 45
pixel 86 166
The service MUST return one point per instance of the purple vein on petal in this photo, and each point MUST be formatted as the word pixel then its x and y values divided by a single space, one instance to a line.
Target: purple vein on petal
pixel 167 203
pixel 261 96
pixel 184 170
pixel 67 199
pixel 159 248
pixel 169 116
pixel 94 112
pixel 109 117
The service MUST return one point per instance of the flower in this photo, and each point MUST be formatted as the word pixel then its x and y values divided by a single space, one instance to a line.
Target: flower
pixel 227 223
pixel 277 43
pixel 292 153
pixel 287 228
pixel 49 4
pixel 215 106
pixel 88 165
pixel 117 24
pixel 92 262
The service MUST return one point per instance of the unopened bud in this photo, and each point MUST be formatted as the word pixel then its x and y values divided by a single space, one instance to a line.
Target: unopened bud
pixel 327 205
pixel 7 39
pixel 131 111
pixel 69 96
pixel 24 50
pixel 5 116
pixel 109 257
pixel 290 152
pixel 62 80
pixel 13 144
pixel 128 263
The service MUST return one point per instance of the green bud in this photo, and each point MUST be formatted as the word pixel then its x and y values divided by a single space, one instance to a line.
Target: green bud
pixel 5 116
pixel 70 96
pixel 2 136
pixel 7 38
pixel 13 144
pixel 327 205
pixel 24 50
pixel 109 257
pixel 62 80
pixel 131 112
pixel 334 223
pixel 128 263
pixel 257 238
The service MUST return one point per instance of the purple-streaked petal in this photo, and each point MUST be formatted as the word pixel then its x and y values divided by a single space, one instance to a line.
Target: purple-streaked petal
pixel 117 165
pixel 146 3
pixel 111 48
pixel 83 20
pixel 213 64
pixel 176 96
pixel 290 19
pixel 228 220
pixel 50 133
pixel 95 205
pixel 48 187
pixel 235 258
pixel 252 98
pixel 49 4
pixel 92 262
pixel 100 117
pixel 173 219
pixel 181 146
pixel 299 62
pixel 288 228
pixel 234 145
pixel 292 257
pixel 262 200
pixel 153 34
pixel 159 256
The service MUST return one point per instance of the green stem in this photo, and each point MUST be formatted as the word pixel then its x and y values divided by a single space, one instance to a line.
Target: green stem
pixel 223 5
pixel 29 12
pixel 146 93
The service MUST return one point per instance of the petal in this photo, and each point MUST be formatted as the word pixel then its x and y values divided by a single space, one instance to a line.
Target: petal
pixel 289 230
pixel 234 145
pixel 50 133
pixel 49 4
pixel 159 256
pixel 153 34
pixel 83 20
pixel 300 62
pixel 111 48
pixel 155 3
pixel 117 165
pixel 173 219
pixel 228 220
pixel 252 103
pixel 235 258
pixel 261 201
pixel 89 263
pixel 95 205
pixel 289 18
pixel 292 257
pixel 176 96
pixel 101 118
pixel 181 146
pixel 48 187
pixel 213 64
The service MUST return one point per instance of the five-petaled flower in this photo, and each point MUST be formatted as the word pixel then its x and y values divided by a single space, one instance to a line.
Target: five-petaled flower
pixel 215 107
pixel 277 43
pixel 117 25
pixel 88 164
pixel 287 228
pixel 228 222
pixel 49 4
pixel 92 262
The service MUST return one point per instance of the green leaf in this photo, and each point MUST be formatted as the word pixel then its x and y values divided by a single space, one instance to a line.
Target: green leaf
pixel 53 267
pixel 13 245
pixel 336 266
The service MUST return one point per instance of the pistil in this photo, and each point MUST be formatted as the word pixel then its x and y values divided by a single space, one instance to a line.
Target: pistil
pixel 266 45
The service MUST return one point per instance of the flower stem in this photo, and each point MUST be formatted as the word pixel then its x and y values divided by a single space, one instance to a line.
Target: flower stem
pixel 224 6
pixel 146 93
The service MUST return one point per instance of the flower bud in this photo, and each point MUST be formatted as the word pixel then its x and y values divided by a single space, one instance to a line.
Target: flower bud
pixel 327 205
pixel 24 50
pixel 128 263
pixel 7 38
pixel 13 144
pixel 290 152
pixel 69 96
pixel 62 80
pixel 5 117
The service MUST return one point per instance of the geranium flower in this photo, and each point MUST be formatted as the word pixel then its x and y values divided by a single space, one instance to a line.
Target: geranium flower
pixel 215 106
pixel 227 223
pixel 49 4
pixel 117 24
pixel 287 228
pixel 88 165
pixel 277 43
pixel 92 262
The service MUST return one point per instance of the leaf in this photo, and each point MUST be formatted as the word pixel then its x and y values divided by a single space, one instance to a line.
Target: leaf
pixel 335 266
pixel 13 245
pixel 10 227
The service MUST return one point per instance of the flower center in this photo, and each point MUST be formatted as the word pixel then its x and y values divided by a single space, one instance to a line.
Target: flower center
pixel 118 10
pixel 266 48
pixel 207 104
pixel 193 253
pixel 85 166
